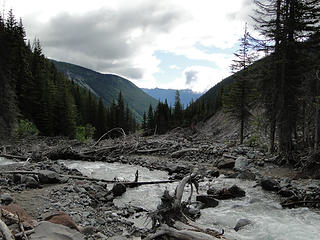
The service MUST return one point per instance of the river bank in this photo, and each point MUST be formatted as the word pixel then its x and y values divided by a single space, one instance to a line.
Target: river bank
pixel 92 204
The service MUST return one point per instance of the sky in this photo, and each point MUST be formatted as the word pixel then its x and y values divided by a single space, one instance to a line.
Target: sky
pixel 174 44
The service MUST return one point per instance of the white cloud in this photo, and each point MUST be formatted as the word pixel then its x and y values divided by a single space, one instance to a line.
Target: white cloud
pixel 121 36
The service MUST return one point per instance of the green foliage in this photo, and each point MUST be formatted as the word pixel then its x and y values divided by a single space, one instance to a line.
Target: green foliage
pixel 84 133
pixel 25 128
pixel 107 86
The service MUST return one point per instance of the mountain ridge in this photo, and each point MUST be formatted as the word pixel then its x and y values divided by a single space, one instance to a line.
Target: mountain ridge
pixel 108 86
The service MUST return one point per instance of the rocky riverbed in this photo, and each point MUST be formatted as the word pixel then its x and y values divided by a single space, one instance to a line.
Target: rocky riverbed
pixel 48 190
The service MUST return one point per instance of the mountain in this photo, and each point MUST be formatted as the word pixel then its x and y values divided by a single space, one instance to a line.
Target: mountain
pixel 186 95
pixel 108 86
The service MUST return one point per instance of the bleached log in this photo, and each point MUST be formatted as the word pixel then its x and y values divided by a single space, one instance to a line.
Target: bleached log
pixel 110 131
pixel 179 191
pixel 14 157
pixel 5 231
pixel 183 151
pixel 93 179
pixel 180 234
pixel 150 150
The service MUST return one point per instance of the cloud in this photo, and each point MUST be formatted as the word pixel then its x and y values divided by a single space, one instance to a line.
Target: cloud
pixel 191 76
pixel 108 40
pixel 121 36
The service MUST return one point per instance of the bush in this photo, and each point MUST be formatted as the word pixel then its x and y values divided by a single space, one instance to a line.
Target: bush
pixel 26 128
pixel 85 133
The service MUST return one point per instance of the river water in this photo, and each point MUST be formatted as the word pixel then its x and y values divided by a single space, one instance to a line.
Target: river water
pixel 269 220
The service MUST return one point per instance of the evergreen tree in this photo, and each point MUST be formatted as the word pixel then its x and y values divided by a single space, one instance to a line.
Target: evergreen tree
pixel 237 99
pixel 177 111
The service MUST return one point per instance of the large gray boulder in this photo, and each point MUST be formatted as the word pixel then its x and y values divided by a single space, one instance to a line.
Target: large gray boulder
pixel 48 177
pixel 51 231
pixel 241 163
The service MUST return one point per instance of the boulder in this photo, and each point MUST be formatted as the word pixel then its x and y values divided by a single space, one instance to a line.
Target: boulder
pixel 237 191
pixel 6 198
pixel 242 223
pixel 226 164
pixel 247 175
pixel 241 163
pixel 214 173
pixel 270 185
pixel 48 177
pixel 207 200
pixel 212 191
pixel 48 231
pixel 118 189
pixel 229 193
pixel 30 182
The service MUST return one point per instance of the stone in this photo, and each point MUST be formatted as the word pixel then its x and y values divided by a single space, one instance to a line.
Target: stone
pixel 226 164
pixel 208 200
pixel 214 173
pixel 212 191
pixel 241 224
pixel 30 182
pixel 48 177
pixel 241 163
pixel 6 198
pixel 247 175
pixel 48 231
pixel 270 185
pixel 237 191
pixel 118 189
pixel 285 192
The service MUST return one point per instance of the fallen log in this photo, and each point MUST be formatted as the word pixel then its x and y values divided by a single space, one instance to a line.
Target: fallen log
pixel 299 203
pixel 5 231
pixel 151 150
pixel 183 151
pixel 180 234
pixel 14 157
pixel 94 179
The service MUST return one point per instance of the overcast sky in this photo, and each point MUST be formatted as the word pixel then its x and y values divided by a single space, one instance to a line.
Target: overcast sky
pixel 154 43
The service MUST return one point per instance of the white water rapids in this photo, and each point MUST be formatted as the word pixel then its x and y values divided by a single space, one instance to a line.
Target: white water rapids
pixel 269 220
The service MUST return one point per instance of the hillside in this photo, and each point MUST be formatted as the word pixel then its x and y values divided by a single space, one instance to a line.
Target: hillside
pixel 108 86
pixel 186 95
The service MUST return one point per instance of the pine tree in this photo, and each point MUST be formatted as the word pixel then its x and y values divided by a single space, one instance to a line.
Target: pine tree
pixel 177 111
pixel 237 100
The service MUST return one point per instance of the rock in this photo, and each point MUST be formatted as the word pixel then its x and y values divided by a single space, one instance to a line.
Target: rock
pixel 178 169
pixel 207 200
pixel 228 193
pixel 285 192
pixel 241 163
pixel 17 178
pixel 226 164
pixel 48 177
pixel 212 191
pixel 63 219
pixel 48 231
pixel 214 173
pixel 247 175
pixel 6 198
pixel 242 223
pixel 118 189
pixel 30 182
pixel 270 185
pixel 237 191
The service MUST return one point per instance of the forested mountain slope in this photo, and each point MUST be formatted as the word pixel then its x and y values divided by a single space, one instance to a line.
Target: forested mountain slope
pixel 108 86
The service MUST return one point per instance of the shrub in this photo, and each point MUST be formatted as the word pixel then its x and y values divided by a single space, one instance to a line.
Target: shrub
pixel 25 128
pixel 85 133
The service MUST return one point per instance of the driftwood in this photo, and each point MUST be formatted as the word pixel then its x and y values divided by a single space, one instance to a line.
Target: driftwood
pixel 93 179
pixel 112 130
pixel 151 150
pixel 183 151
pixel 180 234
pixel 5 231
pixel 170 212
pixel 14 157
pixel 299 203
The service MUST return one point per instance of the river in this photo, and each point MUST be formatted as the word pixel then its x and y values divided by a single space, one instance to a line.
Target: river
pixel 269 220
